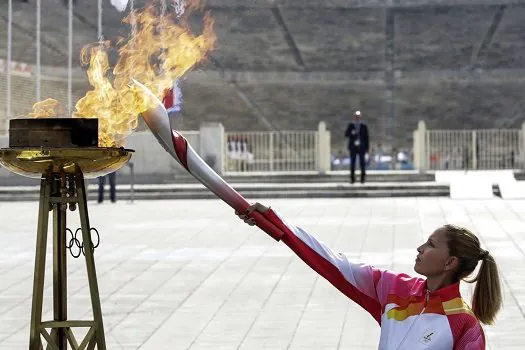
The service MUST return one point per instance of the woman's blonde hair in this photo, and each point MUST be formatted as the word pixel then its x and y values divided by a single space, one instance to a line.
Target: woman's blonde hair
pixel 487 298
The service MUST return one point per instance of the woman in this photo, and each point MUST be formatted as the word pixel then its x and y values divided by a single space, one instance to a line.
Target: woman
pixel 414 313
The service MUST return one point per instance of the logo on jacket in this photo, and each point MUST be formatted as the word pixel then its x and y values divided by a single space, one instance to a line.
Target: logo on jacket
pixel 428 336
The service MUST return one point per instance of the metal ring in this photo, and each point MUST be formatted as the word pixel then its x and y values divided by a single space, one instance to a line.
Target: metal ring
pixel 98 237
pixel 74 241
pixel 70 244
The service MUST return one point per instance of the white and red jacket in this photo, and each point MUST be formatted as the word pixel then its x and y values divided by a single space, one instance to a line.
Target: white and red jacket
pixel 411 317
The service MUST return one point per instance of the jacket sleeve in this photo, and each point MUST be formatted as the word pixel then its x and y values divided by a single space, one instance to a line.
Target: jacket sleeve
pixel 364 284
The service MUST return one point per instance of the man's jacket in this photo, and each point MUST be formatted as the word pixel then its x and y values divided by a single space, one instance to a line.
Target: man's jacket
pixel 357 134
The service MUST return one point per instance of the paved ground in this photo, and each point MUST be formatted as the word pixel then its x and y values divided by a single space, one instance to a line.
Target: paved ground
pixel 190 275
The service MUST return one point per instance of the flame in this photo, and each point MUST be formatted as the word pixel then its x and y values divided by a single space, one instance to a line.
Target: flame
pixel 160 51
pixel 46 109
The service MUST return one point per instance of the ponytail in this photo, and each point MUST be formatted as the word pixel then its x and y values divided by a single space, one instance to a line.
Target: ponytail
pixel 487 297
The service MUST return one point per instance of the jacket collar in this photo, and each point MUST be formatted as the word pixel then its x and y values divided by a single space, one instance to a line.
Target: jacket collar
pixel 446 293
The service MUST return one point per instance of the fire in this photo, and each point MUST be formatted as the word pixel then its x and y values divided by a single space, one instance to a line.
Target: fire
pixel 46 109
pixel 161 50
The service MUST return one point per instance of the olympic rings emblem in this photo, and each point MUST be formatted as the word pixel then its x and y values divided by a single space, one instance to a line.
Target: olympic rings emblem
pixel 76 242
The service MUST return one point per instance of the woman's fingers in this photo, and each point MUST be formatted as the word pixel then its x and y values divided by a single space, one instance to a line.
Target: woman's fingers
pixel 246 218
pixel 256 206
pixel 246 215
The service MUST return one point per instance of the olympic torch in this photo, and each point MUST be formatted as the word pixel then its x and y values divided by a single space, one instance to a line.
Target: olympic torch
pixel 178 147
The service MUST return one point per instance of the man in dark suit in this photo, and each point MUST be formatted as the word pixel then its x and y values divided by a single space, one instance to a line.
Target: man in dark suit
pixel 357 133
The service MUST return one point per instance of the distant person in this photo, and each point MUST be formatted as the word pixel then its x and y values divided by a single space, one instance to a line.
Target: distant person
pixel 112 187
pixel 357 134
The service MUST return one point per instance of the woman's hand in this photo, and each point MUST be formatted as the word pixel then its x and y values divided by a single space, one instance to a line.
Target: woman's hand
pixel 246 215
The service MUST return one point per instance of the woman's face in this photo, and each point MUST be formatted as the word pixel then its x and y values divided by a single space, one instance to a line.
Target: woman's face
pixel 433 257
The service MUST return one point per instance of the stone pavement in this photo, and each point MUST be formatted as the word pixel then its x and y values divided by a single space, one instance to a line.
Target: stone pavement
pixel 189 275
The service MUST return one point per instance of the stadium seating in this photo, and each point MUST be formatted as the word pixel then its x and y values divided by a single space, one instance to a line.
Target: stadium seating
pixel 436 58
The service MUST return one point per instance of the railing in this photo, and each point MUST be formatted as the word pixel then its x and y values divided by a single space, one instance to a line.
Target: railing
pixel 271 151
pixel 131 167
pixel 473 149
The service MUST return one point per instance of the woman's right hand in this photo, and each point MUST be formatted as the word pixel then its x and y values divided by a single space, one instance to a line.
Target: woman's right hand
pixel 246 216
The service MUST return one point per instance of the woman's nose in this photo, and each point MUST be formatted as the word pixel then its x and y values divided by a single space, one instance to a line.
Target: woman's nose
pixel 420 249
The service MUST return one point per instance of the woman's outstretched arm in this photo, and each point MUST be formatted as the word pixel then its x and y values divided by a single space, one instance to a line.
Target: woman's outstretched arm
pixel 364 284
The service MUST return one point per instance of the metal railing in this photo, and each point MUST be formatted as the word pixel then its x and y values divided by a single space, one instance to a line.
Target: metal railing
pixel 473 149
pixel 271 151
pixel 131 167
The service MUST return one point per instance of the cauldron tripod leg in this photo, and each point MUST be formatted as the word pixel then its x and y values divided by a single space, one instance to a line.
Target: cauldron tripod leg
pixel 90 262
pixel 35 341
pixel 59 263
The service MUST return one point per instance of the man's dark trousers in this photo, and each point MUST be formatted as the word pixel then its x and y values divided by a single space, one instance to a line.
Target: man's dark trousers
pixel 353 155
pixel 112 187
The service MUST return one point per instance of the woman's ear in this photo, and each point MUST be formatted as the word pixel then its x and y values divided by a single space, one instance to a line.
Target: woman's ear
pixel 452 263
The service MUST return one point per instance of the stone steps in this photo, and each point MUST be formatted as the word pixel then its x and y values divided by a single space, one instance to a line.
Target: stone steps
pixel 334 185
pixel 250 190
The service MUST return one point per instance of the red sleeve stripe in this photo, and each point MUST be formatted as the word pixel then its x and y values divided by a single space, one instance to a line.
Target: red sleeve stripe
pixel 332 274
pixel 326 268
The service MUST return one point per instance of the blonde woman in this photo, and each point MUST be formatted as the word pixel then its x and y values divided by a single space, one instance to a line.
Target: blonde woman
pixel 413 313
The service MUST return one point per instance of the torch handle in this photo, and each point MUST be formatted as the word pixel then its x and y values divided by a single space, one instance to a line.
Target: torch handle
pixel 267 226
